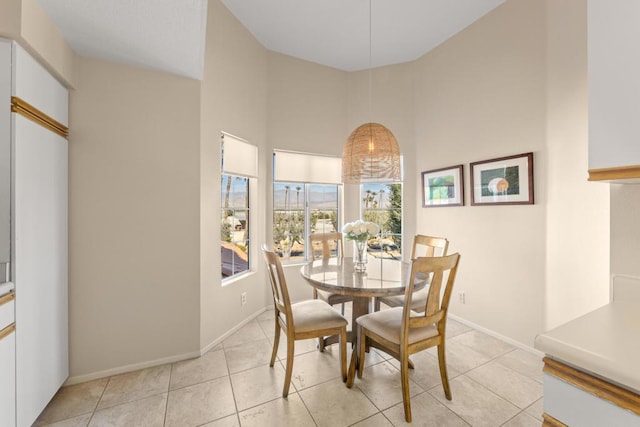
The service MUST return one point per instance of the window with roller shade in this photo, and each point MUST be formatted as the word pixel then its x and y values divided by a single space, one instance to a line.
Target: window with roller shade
pixel 306 196
pixel 239 168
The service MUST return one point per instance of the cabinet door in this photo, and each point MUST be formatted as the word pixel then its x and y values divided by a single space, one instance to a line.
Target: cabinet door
pixel 8 379
pixel 40 221
pixel 614 65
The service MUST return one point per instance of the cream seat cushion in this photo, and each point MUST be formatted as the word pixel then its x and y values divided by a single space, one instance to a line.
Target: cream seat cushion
pixel 387 324
pixel 418 300
pixel 313 315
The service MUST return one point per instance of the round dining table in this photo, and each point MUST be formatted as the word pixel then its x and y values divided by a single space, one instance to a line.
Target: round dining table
pixel 383 277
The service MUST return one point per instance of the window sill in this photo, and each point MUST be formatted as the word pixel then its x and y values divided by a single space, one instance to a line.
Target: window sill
pixel 238 277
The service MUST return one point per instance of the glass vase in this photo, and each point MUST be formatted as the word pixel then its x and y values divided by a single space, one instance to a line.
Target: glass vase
pixel 360 256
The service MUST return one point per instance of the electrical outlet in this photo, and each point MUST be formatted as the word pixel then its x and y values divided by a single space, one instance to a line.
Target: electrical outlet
pixel 243 298
pixel 462 298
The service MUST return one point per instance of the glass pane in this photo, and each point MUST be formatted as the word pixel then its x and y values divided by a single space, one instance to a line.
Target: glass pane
pixel 289 220
pixel 323 206
pixel 382 204
pixel 234 216
pixel 234 191
pixel 323 196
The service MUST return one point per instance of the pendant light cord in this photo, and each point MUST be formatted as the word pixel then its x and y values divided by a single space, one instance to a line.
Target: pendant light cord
pixel 370 65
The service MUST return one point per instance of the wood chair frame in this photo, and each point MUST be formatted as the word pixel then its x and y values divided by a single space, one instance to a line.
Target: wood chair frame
pixel 284 320
pixel 435 246
pixel 332 299
pixel 435 314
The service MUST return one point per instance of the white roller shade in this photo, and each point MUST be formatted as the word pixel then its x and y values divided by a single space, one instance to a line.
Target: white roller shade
pixel 289 166
pixel 239 157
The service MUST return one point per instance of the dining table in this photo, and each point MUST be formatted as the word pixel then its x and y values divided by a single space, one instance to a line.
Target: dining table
pixel 382 277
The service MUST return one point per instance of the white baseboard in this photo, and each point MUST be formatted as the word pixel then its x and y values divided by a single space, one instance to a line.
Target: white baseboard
pixel 130 368
pixel 497 335
pixel 157 362
pixel 177 358
pixel 231 331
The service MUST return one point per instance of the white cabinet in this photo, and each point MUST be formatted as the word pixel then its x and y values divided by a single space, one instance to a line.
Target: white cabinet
pixel 7 376
pixel 7 360
pixel 614 89
pixel 40 206
pixel 36 129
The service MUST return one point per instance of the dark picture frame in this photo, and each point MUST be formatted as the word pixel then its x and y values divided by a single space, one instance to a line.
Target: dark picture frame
pixel 503 181
pixel 443 187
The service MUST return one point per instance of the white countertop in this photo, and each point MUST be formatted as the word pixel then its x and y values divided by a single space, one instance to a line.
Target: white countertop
pixel 605 342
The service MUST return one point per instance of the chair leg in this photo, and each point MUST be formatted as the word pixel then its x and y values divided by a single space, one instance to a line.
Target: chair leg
pixel 342 309
pixel 352 368
pixel 276 343
pixel 362 345
pixel 404 375
pixel 289 367
pixel 343 354
pixel 443 371
pixel 376 304
pixel 321 344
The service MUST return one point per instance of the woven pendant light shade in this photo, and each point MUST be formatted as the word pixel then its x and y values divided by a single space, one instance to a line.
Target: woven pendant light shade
pixel 371 154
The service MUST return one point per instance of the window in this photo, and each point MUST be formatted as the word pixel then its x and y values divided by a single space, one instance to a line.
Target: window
pixel 306 194
pixel 382 204
pixel 300 209
pixel 239 168
pixel 234 245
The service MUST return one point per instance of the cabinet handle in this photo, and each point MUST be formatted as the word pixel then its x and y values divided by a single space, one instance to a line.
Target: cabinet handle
pixel 8 330
pixel 8 297
pixel 32 113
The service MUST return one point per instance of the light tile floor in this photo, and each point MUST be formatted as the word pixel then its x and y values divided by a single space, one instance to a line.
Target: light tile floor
pixel 493 384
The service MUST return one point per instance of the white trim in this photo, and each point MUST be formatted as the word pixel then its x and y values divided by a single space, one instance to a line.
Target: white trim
pixel 231 331
pixel 162 361
pixel 130 368
pixel 237 277
pixel 497 335
pixel 191 355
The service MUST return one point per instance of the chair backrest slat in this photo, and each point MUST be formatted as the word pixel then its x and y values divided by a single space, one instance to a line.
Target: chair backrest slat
pixel 428 246
pixel 326 241
pixel 281 301
pixel 438 268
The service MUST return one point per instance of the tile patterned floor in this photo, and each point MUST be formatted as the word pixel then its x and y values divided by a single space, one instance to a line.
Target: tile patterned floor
pixel 493 384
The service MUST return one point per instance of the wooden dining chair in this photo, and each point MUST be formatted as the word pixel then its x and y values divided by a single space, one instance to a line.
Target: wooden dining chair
pixel 401 331
pixel 321 245
pixel 422 246
pixel 302 320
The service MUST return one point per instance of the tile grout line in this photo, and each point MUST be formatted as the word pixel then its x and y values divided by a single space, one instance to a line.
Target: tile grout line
pixel 166 403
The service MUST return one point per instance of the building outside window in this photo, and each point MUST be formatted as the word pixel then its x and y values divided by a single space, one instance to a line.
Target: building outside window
pixel 382 204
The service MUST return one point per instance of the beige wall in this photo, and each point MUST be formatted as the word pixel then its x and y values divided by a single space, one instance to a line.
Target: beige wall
pixel 134 228
pixel 503 86
pixel 234 100
pixel 307 111
pixel 577 233
pixel 144 178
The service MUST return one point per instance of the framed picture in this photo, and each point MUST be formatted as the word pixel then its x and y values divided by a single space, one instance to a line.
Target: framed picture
pixel 443 187
pixel 503 181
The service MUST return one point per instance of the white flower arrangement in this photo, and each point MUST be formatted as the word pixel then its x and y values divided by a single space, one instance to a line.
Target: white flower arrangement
pixel 360 231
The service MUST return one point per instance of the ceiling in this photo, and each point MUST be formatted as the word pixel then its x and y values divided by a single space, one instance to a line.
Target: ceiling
pixel 169 35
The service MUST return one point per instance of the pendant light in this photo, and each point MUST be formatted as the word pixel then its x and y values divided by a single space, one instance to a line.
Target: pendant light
pixel 371 154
